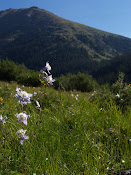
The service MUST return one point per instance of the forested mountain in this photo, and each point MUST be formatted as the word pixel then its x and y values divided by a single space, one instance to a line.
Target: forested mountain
pixel 110 71
pixel 33 36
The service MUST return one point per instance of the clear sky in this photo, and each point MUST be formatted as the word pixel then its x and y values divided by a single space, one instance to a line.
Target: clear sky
pixel 108 15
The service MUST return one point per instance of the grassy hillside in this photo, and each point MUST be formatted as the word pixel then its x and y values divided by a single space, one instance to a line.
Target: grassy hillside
pixel 32 36
pixel 70 133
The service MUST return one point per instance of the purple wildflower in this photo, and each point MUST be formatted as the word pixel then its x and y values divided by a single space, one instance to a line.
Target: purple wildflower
pixel 22 117
pixel 23 96
pixel 21 134
pixel 49 80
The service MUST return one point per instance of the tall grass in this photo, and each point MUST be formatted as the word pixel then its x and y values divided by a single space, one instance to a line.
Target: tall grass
pixel 66 135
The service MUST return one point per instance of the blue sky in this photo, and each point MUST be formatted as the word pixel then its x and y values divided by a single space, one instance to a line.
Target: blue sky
pixel 108 15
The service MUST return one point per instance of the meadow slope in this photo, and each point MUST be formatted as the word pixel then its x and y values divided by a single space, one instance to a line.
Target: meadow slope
pixel 70 133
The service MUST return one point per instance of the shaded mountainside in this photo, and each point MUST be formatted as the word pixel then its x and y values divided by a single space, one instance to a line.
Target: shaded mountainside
pixel 109 72
pixel 32 36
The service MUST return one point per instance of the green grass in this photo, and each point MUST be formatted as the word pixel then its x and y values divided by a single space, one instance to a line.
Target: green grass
pixel 66 136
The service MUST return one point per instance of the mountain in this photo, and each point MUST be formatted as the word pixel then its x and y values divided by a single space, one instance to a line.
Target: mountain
pixel 33 36
pixel 110 71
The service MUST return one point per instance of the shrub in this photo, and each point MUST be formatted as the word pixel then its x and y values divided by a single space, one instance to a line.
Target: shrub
pixel 80 82
pixel 124 91
pixel 9 71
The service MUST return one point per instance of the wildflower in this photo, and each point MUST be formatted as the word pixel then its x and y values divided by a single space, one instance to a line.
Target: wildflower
pixel 35 93
pixel 123 161
pixel 37 104
pixel 129 85
pixel 100 109
pixel 2 119
pixel 42 71
pixel 23 96
pixel 22 117
pixel 93 93
pixel 21 134
pixel 118 96
pixel 18 89
pixel 48 67
pixel 76 97
pixel 1 99
pixel 49 80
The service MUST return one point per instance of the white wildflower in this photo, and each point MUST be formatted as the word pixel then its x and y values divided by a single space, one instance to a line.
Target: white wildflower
pixel 49 80
pixel 2 119
pixel 37 104
pixel 48 67
pixel 21 134
pixel 117 95
pixel 35 93
pixel 123 161
pixel 23 96
pixel 76 97
pixel 22 117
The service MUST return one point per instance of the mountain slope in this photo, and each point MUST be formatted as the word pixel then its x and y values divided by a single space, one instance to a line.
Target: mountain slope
pixel 33 36
pixel 109 72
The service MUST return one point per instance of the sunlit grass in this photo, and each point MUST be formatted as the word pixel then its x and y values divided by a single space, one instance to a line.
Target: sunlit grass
pixel 66 135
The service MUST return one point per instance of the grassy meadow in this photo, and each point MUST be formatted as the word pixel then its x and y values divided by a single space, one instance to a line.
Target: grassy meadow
pixel 71 133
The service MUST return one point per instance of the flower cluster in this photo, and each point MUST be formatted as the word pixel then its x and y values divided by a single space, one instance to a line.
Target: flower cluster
pixel 22 117
pixel 23 96
pixel 48 78
pixel 75 96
